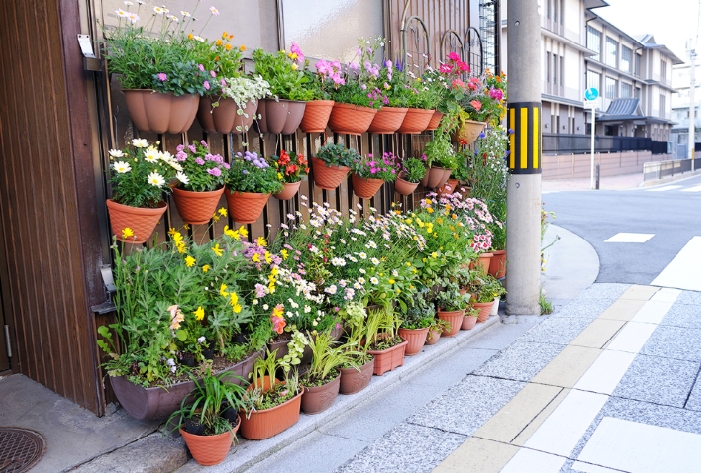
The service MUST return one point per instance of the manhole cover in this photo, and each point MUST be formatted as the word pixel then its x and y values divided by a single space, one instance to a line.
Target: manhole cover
pixel 20 449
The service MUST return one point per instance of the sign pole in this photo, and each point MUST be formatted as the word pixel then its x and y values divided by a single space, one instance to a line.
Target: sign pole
pixel 593 128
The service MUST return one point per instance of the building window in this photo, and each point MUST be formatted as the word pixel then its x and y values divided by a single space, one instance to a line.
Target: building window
pixel 663 69
pixel 547 9
pixel 594 80
pixel 663 105
pixel 548 67
pixel 555 69
pixel 611 57
pixel 626 91
pixel 637 64
pixel 638 93
pixel 562 70
pixel 611 88
pixel 626 59
pixel 594 42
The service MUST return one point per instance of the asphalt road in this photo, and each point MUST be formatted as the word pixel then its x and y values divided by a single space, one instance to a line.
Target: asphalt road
pixel 673 216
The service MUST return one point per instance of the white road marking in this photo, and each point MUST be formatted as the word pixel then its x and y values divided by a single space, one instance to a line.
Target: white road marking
pixel 632 337
pixel 684 271
pixel 692 189
pixel 630 238
pixel 663 189
pixel 532 461
pixel 606 372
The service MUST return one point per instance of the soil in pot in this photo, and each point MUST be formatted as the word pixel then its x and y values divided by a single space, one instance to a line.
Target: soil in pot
pixel 454 318
pixel 353 381
pixel 317 399
pixel 415 338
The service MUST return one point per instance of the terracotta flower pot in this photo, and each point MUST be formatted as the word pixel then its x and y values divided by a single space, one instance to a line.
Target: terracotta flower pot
pixel 196 208
pixel 444 178
pixel 270 422
pixel 210 449
pixel 485 308
pixel 142 221
pixel 435 121
pixel 416 339
pixel 243 368
pixel 353 381
pixel 454 318
pixel 497 265
pixel 365 188
pixel 157 112
pixel 415 121
pixel 289 191
pixel 328 177
pixel 280 117
pixel 468 322
pixel 245 207
pixel 433 337
pixel 434 176
pixel 150 403
pixel 389 358
pixel 225 118
pixel 485 260
pixel 317 399
pixel 316 116
pixel 469 132
pixel 449 187
pixel 387 120
pixel 350 119
pixel 405 187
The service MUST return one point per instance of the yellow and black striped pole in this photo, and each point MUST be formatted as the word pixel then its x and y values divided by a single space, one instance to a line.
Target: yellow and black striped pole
pixel 525 141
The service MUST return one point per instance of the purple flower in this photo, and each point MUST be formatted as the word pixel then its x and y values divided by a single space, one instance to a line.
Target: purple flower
pixel 201 67
pixel 213 74
pixel 245 171
pixel 162 77
pixel 214 172
pixel 482 135
pixel 199 161
pixel 180 147
pixel 206 85
pixel 181 156
pixel 226 165
pixel 511 132
pixel 204 143
pixel 192 148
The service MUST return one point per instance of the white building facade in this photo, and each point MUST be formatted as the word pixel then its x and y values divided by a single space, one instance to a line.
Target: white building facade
pixel 681 110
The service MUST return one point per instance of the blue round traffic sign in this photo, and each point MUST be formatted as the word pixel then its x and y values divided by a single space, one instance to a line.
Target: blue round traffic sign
pixel 591 93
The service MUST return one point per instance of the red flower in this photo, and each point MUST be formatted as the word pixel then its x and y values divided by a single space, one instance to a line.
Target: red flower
pixel 284 158
pixel 454 56
pixel 291 169
pixel 476 104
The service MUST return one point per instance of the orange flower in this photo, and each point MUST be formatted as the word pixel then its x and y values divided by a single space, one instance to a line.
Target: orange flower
pixel 219 42
pixel 228 47
pixel 216 58
pixel 231 37
pixel 243 47
pixel 189 36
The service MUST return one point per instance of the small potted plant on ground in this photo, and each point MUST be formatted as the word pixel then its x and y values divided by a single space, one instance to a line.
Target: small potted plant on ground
pixel 292 169
pixel 471 314
pixel 355 375
pixel 408 180
pixel 199 182
pixel 332 164
pixel 416 323
pixel 249 182
pixel 202 423
pixel 435 330
pixel 486 292
pixel 383 341
pixel 451 307
pixel 369 174
pixel 139 178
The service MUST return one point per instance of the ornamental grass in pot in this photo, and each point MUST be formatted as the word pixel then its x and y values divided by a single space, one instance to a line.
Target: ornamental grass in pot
pixel 413 171
pixel 451 307
pixel 331 164
pixel 369 174
pixel 249 183
pixel 139 176
pixel 383 340
pixel 199 182
pixel 292 168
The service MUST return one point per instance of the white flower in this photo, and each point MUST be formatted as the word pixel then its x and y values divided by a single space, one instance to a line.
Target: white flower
pixel 175 165
pixel 197 38
pixel 121 13
pixel 338 261
pixel 128 3
pixel 185 14
pixel 362 270
pixel 170 362
pixel 182 177
pixel 173 18
pixel 357 285
pixel 152 154
pixel 314 249
pixel 361 280
pixel 375 261
pixel 140 143
pixel 265 307
pixel 201 340
pixel 116 153
pixel 121 167
pixel 159 10
pixel 307 309
pixel 214 11
pixel 362 255
pixel 156 179
pixel 133 17
pixel 353 259
pixel 371 244
pixel 331 289
pixel 395 273
pixel 374 280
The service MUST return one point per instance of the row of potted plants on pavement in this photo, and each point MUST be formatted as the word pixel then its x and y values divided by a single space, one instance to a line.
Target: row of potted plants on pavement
pixel 171 77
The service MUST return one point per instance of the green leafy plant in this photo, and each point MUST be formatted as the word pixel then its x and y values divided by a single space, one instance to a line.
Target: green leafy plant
pixel 336 154
pixel 326 360
pixel 450 299
pixel 252 173
pixel 359 82
pixel 282 71
pixel 414 170
pixel 421 314
pixel 381 329
pixel 440 152
pixel 259 396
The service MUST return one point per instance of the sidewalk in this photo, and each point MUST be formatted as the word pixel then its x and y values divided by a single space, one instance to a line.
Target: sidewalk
pixel 624 181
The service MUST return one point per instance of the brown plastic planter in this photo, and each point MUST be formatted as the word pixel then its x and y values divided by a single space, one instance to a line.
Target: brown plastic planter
pixel 468 322
pixel 210 449
pixel 245 207
pixel 387 120
pixel 485 308
pixel 449 187
pixel 316 116
pixel 280 117
pixel 434 336
pixel 317 399
pixel 243 368
pixel 289 191
pixel 328 177
pixel 350 119
pixel 366 188
pixel 270 422
pixel 416 339
pixel 403 187
pixel 196 208
pixel 142 221
pixel 433 177
pixel 225 118
pixel 150 403
pixel 157 112
pixel 415 121
pixel 497 265
pixel 469 132
pixel 454 318
pixel 353 381
pixel 389 358
pixel 435 121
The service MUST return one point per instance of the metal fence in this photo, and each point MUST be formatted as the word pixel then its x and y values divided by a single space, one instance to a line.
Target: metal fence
pixel 554 143
pixel 659 169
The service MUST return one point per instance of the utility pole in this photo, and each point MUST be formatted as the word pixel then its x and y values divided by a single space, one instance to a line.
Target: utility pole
pixel 524 188
pixel 692 103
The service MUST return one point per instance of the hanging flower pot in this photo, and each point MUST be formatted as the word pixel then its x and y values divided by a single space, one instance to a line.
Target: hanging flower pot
pixel 353 380
pixel 484 308
pixel 210 449
pixel 157 112
pixel 497 265
pixel 387 120
pixel 350 119
pixel 317 399
pixel 289 191
pixel 435 121
pixel 434 176
pixel 328 177
pixel 415 121
pixel 226 118
pixel 142 221
pixel 416 339
pixel 444 178
pixel 245 207
pixel 365 188
pixel 316 116
pixel 405 187
pixel 280 117
pixel 196 208
pixel 454 318
pixel 449 187
pixel 469 132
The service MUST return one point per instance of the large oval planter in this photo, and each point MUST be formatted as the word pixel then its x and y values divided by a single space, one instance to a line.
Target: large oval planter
pixel 388 359
pixel 150 403
pixel 415 121
pixel 485 308
pixel 196 208
pixel 405 187
pixel 433 337
pixel 365 188
pixel 350 119
pixel 157 112
pixel 387 120
pixel 280 117
pixel 317 399
pixel 468 322
pixel 243 368
pixel 469 132
pixel 142 221
pixel 449 187
pixel 226 118
pixel 210 449
pixel 353 381
pixel 435 121
pixel 282 350
pixel 328 177
pixel 434 176
pixel 416 339
pixel 289 191
pixel 454 318
pixel 270 422
pixel 245 207
pixel 316 116
pixel 497 265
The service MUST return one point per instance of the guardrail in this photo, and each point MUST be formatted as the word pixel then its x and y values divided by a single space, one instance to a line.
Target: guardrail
pixel 555 143
pixel 659 169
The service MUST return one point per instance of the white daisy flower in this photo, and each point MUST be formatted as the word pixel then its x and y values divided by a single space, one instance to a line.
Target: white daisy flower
pixel 374 280
pixel 362 270
pixel 331 289
pixel 159 10
pixel 361 280
pixel 116 153
pixel 214 11
pixel 395 273
pixel 121 13
pixel 362 255
pixel 128 3
pixel 375 261
pixel 121 167
pixel 197 38
pixel 182 177
pixel 185 14
pixel 151 155
pixel 156 179
pixel 338 261
pixel 140 143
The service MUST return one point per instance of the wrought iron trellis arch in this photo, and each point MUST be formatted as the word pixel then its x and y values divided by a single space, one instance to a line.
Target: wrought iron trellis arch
pixel 455 43
pixel 475 60
pixel 419 31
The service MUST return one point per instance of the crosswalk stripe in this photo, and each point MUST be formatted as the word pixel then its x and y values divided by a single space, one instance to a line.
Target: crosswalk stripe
pixel 692 189
pixel 684 271
pixel 663 189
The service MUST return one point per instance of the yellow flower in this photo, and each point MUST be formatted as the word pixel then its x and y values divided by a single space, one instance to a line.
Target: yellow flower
pixel 429 210
pixel 243 231
pixel 235 303
pixel 292 55
pixel 218 42
pixel 190 36
pixel 278 310
pixel 434 254
pixel 190 261
pixel 261 241
pixel 294 67
pixel 391 281
pixel 283 253
pixel 222 290
pixel 186 226
pixel 231 233
pixel 268 258
pixel 242 47
pixel 271 287
pixel 222 211
pixel 428 201
pixel 273 272
pixel 215 217
pixel 408 264
pixel 217 250
pixel 255 258
pixel 205 268
pixel 199 313
pixel 227 47
pixel 127 233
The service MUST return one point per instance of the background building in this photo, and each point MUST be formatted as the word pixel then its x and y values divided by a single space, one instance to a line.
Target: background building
pixel 680 108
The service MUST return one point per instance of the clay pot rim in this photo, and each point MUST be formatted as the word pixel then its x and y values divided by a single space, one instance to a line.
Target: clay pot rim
pixel 353 106
pixel 370 179
pixel 414 329
pixel 487 254
pixel 315 388
pixel 450 312
pixel 279 99
pixel 174 187
pixel 482 304
pixel 372 361
pixel 232 432
pixel 272 408
pixel 227 191
pixel 337 166
pixel 161 204
pixel 379 352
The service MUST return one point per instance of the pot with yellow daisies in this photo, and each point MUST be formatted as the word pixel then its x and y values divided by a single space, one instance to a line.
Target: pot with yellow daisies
pixel 138 176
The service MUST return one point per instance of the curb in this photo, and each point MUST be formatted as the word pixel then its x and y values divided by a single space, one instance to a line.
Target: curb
pixel 669 179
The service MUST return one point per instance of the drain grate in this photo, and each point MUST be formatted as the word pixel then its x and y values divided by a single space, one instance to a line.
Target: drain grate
pixel 20 449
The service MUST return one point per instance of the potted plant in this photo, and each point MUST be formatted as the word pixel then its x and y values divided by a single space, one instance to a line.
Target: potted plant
pixel 234 109
pixel 139 177
pixel 451 307
pixel 369 174
pixel 440 160
pixel 292 169
pixel 249 183
pixel 422 102
pixel 471 314
pixel 323 82
pixel 201 418
pixel 199 182
pixel 486 291
pixel 288 86
pixel 435 330
pixel 356 374
pixel 413 171
pixel 383 341
pixel 389 118
pixel 416 323
pixel 332 164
